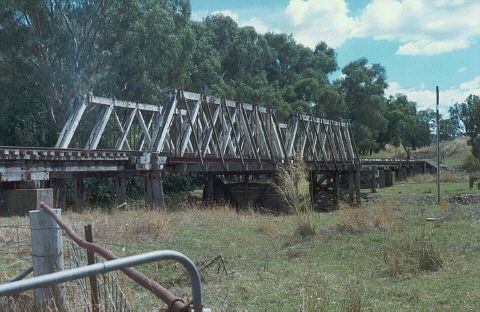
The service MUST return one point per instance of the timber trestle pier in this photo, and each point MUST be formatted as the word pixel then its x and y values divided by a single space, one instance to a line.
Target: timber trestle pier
pixel 233 144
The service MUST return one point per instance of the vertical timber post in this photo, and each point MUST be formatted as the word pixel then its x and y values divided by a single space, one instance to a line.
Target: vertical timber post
pixel 59 192
pixel 336 185
pixel 93 278
pixel 154 198
pixel 47 257
pixel 357 187
pixel 121 191
pixel 313 179
pixel 209 187
pixel 79 191
pixel 351 186
pixel 245 189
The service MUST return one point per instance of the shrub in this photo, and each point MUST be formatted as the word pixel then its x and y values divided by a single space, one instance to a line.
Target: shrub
pixel 470 163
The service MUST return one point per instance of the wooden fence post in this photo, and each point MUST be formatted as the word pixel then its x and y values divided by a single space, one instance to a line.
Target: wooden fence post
pixel 47 256
pixel 93 278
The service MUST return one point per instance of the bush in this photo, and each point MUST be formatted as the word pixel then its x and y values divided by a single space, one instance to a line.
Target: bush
pixel 470 163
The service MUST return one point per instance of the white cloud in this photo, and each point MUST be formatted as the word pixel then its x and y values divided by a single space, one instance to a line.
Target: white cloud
pixel 422 27
pixel 314 21
pixel 426 98
pixel 473 85
pixel 228 13
pixel 258 24
pixel 461 69
pixel 427 47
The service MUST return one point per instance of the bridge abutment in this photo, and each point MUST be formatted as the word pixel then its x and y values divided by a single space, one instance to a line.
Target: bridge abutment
pixel 20 200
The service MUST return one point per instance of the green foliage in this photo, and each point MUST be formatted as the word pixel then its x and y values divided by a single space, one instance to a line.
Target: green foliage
pixel 363 87
pixel 468 113
pixel 470 163
pixel 406 127
pixel 173 182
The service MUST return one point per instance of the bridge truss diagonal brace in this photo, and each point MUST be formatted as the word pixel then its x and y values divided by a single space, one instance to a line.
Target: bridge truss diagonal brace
pixel 99 128
pixel 163 125
pixel 72 122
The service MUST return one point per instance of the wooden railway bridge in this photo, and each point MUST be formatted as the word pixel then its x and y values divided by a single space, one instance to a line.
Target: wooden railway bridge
pixel 188 133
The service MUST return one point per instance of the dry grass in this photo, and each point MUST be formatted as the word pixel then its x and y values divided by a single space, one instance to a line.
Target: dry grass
pixel 268 228
pixel 445 176
pixel 360 221
pixel 447 149
pixel 353 300
pixel 418 253
pixel 294 186
pixel 354 221
pixel 314 294
pixel 122 225
pixel 215 213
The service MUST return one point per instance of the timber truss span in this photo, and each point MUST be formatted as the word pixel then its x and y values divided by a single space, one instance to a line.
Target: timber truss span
pixel 193 132
pixel 189 132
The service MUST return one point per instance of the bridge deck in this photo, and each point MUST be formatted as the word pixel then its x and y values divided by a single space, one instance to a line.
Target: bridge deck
pixel 24 164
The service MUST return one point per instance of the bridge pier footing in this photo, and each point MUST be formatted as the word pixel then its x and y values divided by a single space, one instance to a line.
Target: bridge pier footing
pixel 79 192
pixel 389 178
pixel 153 191
pixel 121 191
pixel 19 201
pixel 59 187
pixel 357 187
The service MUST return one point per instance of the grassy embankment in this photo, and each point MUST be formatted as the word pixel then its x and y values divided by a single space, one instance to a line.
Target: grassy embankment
pixel 381 257
pixel 451 152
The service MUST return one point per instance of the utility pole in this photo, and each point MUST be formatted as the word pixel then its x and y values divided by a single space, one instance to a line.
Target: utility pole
pixel 438 151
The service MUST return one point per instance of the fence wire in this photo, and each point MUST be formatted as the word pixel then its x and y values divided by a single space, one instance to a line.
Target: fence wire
pixel 15 250
pixel 16 257
pixel 111 297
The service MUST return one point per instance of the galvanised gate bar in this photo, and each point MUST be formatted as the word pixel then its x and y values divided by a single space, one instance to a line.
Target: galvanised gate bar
pixel 187 133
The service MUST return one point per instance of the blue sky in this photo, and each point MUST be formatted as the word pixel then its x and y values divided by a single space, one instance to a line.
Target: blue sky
pixel 421 43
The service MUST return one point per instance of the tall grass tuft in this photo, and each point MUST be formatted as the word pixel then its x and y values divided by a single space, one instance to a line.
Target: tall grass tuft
pixel 418 253
pixel 427 252
pixel 294 186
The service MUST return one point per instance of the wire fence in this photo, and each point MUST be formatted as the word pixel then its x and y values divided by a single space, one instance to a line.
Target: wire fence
pixel 111 296
pixel 16 257
pixel 15 250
